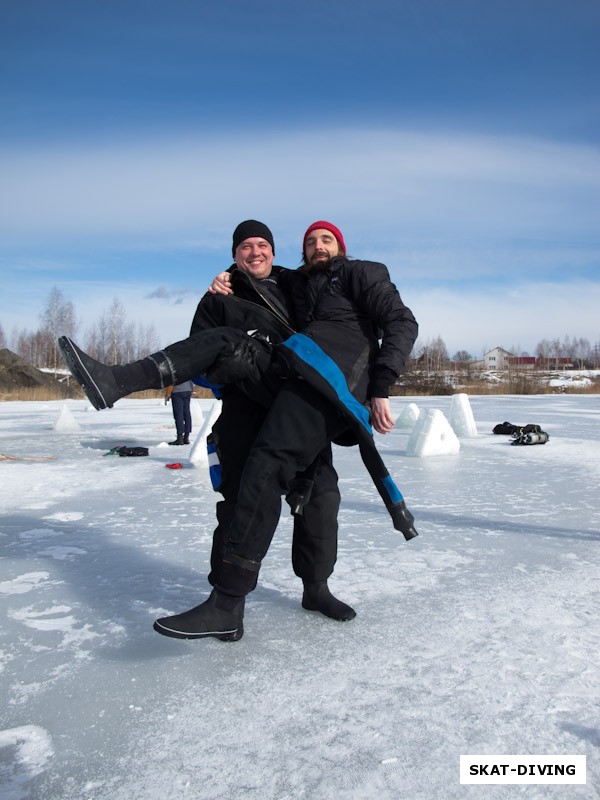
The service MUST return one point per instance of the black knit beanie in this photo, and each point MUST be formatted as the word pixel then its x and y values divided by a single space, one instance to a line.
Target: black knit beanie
pixel 247 230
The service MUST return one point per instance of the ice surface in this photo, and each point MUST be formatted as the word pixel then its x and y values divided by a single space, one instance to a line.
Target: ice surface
pixel 432 436
pixel 479 636
pixel 31 751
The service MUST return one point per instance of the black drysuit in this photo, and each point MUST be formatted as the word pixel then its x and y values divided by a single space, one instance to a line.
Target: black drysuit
pixel 261 304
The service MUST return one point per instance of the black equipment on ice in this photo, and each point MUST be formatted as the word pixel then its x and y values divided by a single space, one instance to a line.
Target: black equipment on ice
pixel 522 434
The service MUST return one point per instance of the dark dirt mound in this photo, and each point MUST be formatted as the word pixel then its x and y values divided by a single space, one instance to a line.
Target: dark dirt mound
pixel 16 373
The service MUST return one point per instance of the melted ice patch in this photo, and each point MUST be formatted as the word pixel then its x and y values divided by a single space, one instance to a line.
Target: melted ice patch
pixel 39 533
pixel 62 553
pixel 57 619
pixel 32 752
pixel 66 516
pixel 24 583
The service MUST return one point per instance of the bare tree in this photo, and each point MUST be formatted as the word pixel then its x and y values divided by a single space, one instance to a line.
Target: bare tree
pixel 543 351
pixel 462 355
pixel 117 330
pixel 104 340
pixel 580 352
pixel 114 340
pixel 57 318
pixel 434 355
pixel 121 336
pixel 111 338
pixel 91 342
pixel 129 347
pixel 147 340
pixel 557 349
pixel 30 346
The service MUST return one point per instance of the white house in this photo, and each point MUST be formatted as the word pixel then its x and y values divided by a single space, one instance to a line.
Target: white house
pixel 498 358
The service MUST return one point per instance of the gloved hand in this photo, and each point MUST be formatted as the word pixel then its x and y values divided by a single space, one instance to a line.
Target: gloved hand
pixel 236 362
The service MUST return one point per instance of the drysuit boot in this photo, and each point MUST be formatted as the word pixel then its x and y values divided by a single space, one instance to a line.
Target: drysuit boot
pixel 186 438
pixel 221 616
pixel 105 385
pixel 317 597
pixel 180 440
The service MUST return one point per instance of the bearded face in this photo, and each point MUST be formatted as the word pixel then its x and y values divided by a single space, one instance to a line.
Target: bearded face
pixel 319 248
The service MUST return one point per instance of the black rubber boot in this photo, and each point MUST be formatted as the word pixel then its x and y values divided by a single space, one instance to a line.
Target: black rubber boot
pixel 317 597
pixel 105 385
pixel 221 616
pixel 180 440
pixel 186 438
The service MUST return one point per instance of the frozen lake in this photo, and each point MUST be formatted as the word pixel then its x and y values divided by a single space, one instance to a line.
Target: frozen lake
pixel 480 636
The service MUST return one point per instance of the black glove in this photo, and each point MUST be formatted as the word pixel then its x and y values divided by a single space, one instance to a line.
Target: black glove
pixel 236 363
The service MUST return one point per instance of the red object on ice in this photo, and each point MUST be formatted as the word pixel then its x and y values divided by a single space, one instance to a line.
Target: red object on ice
pixel 176 465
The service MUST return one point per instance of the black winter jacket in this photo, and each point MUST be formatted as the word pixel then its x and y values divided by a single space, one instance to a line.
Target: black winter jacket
pixel 255 304
pixel 346 309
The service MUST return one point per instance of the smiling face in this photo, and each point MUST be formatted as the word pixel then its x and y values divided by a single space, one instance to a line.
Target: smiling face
pixel 254 256
pixel 320 247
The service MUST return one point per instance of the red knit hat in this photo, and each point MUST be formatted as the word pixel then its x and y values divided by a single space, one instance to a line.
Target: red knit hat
pixel 327 226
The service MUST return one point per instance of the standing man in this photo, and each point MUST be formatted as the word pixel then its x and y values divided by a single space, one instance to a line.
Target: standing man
pixel 254 279
pixel 335 365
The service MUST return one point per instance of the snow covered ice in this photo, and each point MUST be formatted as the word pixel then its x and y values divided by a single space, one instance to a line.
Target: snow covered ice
pixel 481 635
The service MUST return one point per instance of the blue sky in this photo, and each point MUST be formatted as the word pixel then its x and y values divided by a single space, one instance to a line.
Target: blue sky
pixel 457 142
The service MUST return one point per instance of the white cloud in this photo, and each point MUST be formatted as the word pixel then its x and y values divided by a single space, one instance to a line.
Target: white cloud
pixel 389 184
pixel 467 318
pixel 445 210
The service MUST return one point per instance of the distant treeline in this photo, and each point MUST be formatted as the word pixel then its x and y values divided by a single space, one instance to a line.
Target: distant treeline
pixel 114 340
pixel 111 338
pixel 433 355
